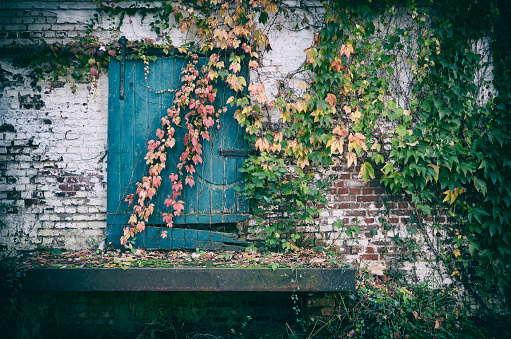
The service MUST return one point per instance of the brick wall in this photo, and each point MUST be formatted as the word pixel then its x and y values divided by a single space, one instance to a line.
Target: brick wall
pixel 52 164
pixel 53 145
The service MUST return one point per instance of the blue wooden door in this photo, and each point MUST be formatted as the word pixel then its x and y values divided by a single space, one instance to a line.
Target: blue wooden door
pixel 133 120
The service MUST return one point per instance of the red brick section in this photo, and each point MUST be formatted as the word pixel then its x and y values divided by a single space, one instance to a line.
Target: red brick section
pixel 369 207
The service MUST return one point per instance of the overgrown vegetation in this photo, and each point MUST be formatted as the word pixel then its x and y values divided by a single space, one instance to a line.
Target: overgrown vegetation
pixel 385 307
pixel 284 204
pixel 396 87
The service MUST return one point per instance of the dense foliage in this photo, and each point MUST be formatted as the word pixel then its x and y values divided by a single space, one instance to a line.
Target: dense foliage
pixel 444 141
pixel 399 87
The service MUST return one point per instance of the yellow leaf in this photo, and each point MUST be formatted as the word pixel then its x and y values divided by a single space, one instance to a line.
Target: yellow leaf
pixel 355 115
pixel 277 136
pixel 352 159
pixel 317 113
pixel 302 162
pixel 262 144
pixel 228 21
pixel 448 195
pixel 276 147
pixel 336 143
pixel 300 106
pixel 437 170
pixel 292 146
pixel 456 253
pixel 285 116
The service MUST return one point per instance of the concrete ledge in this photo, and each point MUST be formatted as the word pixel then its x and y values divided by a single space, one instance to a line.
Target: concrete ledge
pixel 190 279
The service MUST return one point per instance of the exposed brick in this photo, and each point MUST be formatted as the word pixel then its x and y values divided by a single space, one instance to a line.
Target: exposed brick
pixel 30 202
pixel 66 187
pixel 344 198
pixel 368 198
pixel 369 257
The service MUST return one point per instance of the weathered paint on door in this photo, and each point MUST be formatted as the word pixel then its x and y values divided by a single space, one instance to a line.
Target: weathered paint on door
pixel 133 122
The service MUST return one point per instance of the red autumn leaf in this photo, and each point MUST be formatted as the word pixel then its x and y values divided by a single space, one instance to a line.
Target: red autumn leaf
pixel 170 142
pixel 140 226
pixel 164 234
pixel 196 159
pixel 168 202
pixel 160 134
pixel 235 67
pixel 176 194
pixel 157 181
pixel 152 145
pixel 205 135
pixel 129 199
pixel 337 65
pixel 151 191
pixel 347 49
pixel 341 131
pixel 185 155
pixel 210 109
pixel 208 123
pixel 197 149
pixel 173 177
pixel 189 181
pixel 246 48
pixel 177 186
pixel 178 207
pixel 167 218
pixel 190 169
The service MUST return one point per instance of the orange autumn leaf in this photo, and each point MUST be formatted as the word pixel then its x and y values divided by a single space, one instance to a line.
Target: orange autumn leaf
pixel 337 65
pixel 331 99
pixel 341 131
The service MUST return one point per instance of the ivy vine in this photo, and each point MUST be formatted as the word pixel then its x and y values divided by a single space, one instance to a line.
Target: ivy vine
pixel 405 101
